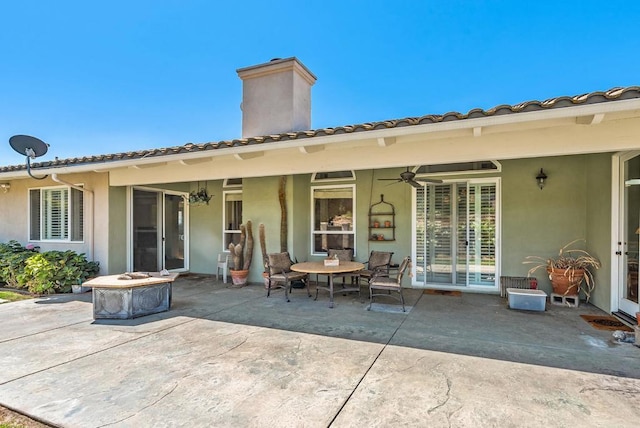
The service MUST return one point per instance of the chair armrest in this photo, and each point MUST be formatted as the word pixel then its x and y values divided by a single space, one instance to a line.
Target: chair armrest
pixel 379 272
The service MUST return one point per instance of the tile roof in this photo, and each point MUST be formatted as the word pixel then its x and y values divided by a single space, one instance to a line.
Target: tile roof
pixel 614 94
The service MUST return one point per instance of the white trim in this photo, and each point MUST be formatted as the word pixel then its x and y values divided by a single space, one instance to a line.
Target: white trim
pixel 68 187
pixel 497 181
pixel 185 236
pixel 129 228
pixel 226 231
pixel 618 187
pixel 616 244
pixel 161 226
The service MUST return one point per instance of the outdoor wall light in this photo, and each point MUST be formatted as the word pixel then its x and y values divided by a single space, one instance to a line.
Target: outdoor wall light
pixel 5 187
pixel 541 178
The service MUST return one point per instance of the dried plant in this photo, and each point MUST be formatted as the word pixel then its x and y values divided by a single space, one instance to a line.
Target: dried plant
pixel 574 263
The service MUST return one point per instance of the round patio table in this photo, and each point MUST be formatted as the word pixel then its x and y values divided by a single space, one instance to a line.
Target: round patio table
pixel 321 269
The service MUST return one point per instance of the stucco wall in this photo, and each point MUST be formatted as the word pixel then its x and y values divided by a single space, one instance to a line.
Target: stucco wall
pixel 205 230
pixel 14 212
pixel 117 262
pixel 574 204
pixel 599 224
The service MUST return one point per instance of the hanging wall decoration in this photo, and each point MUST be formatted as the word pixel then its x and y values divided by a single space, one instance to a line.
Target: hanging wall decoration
pixel 200 197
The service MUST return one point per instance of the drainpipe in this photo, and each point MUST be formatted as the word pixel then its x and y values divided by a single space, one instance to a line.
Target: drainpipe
pixel 55 178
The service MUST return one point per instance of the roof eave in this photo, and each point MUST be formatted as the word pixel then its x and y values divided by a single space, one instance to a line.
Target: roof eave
pixel 577 111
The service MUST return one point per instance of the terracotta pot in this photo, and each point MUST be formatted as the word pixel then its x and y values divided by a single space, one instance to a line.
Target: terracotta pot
pixel 566 283
pixel 239 277
pixel 387 223
pixel 376 224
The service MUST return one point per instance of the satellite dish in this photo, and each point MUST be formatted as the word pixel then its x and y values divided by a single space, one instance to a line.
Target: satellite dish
pixel 31 147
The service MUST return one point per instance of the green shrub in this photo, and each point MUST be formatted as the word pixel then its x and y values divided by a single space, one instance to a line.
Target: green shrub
pixel 13 257
pixel 40 273
pixel 56 271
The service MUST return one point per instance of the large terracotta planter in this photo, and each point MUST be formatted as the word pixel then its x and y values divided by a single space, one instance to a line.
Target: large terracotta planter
pixel 239 277
pixel 566 281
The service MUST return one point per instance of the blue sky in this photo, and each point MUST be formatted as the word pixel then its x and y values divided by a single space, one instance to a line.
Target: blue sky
pixel 104 77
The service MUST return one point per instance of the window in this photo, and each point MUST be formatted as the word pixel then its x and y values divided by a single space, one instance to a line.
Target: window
pixel 232 217
pixel 232 182
pixel 456 233
pixel 333 176
pixel 333 218
pixel 462 167
pixel 56 213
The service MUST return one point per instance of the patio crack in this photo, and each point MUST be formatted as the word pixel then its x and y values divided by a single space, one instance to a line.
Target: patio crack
pixel 447 396
pixel 366 372
pixel 143 408
pixel 632 391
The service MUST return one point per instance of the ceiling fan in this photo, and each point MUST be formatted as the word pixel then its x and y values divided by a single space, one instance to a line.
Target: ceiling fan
pixel 409 178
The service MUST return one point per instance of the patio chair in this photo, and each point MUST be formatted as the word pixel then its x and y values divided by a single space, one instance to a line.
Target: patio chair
pixel 383 282
pixel 223 263
pixel 379 263
pixel 344 256
pixel 280 275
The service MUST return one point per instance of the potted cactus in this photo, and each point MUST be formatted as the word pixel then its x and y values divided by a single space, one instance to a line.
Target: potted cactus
pixel 242 254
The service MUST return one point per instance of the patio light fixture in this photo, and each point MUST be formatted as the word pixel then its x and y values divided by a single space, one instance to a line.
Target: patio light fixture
pixel 541 178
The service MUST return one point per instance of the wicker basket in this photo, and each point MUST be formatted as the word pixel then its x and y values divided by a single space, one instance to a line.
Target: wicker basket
pixel 525 282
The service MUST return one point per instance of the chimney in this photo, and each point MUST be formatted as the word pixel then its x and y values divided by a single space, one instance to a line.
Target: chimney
pixel 276 97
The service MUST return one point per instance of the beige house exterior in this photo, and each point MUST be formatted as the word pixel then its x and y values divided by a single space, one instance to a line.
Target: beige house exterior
pixel 588 145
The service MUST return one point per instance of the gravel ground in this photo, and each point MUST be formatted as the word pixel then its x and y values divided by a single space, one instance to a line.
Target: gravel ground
pixel 16 420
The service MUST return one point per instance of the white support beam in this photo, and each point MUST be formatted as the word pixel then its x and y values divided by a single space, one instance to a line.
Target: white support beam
pixel 592 119
pixel 148 165
pixel 248 155
pixel 386 141
pixel 311 149
pixel 477 131
pixel 194 161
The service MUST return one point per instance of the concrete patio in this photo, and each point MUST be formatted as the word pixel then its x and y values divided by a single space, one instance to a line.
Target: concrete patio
pixel 231 357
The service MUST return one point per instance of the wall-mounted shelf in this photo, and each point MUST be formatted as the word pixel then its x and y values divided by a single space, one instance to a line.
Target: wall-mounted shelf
pixel 382 221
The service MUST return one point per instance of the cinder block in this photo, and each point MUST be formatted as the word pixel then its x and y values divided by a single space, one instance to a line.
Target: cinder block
pixel 572 301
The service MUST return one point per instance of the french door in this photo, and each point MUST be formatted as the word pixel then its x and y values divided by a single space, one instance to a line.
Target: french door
pixel 456 235
pixel 629 233
pixel 159 237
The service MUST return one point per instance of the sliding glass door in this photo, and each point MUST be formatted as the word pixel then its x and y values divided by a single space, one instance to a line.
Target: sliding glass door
pixel 455 234
pixel 158 231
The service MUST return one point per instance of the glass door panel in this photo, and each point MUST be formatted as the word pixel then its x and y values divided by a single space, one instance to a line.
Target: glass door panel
pixel 482 234
pixel 456 234
pixel 174 217
pixel 146 238
pixel 628 292
pixel 440 251
pixel 462 242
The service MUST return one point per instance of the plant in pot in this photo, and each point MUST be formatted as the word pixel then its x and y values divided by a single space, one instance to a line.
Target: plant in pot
pixel 242 254
pixel 570 272
pixel 199 197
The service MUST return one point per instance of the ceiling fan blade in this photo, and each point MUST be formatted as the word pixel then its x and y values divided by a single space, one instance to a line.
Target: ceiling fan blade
pixel 415 184
pixel 389 179
pixel 396 182
pixel 429 180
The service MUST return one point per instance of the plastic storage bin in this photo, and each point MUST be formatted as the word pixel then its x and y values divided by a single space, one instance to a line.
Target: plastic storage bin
pixel 528 300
